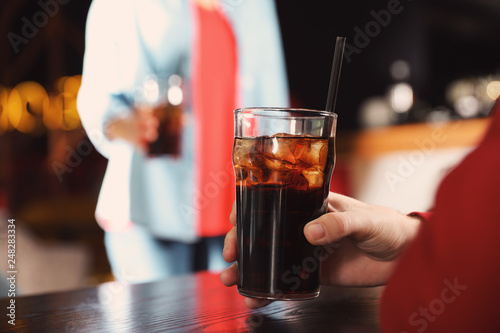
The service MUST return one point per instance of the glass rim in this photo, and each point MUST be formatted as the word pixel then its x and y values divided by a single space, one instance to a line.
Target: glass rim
pixel 262 111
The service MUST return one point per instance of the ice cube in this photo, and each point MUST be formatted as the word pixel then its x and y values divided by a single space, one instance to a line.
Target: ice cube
pixel 279 148
pixel 242 146
pixel 283 135
pixel 272 163
pixel 297 147
pixel 300 181
pixel 240 172
pixel 256 175
pixel 314 176
pixel 241 150
pixel 247 152
pixel 316 153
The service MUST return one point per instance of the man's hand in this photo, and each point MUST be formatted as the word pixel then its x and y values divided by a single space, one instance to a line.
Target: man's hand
pixel 371 238
pixel 139 128
pixel 367 240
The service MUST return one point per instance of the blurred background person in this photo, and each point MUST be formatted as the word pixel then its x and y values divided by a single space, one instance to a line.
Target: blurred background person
pixel 167 214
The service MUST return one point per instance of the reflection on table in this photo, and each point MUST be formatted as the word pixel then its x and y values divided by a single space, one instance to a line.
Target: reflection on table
pixel 196 302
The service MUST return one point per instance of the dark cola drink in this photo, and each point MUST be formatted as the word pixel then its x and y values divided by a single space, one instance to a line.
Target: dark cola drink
pixel 169 131
pixel 282 183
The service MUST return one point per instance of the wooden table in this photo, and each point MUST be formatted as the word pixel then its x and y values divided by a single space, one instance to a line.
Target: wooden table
pixel 193 303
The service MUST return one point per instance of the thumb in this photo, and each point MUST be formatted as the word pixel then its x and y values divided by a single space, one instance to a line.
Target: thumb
pixel 329 228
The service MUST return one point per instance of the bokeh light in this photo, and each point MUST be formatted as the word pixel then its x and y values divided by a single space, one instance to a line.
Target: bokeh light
pixel 493 90
pixel 28 108
pixel 401 97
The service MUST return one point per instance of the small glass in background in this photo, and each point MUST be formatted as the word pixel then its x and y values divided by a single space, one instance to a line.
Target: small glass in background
pixel 164 99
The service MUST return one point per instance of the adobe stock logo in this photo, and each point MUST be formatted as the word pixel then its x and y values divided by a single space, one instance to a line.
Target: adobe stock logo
pixel 39 20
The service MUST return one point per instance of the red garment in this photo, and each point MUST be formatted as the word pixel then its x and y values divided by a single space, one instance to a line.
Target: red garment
pixel 423 216
pixel 449 278
pixel 214 99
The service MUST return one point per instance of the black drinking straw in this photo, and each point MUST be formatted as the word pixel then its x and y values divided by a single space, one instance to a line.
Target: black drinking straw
pixel 335 75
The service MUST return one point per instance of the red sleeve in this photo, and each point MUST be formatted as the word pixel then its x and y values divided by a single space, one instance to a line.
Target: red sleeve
pixel 449 278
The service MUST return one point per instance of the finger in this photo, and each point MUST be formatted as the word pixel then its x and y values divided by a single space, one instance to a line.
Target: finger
pixel 232 216
pixel 229 277
pixel 254 303
pixel 330 227
pixel 230 251
pixel 150 134
pixel 149 129
pixel 148 119
pixel 153 121
pixel 341 203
